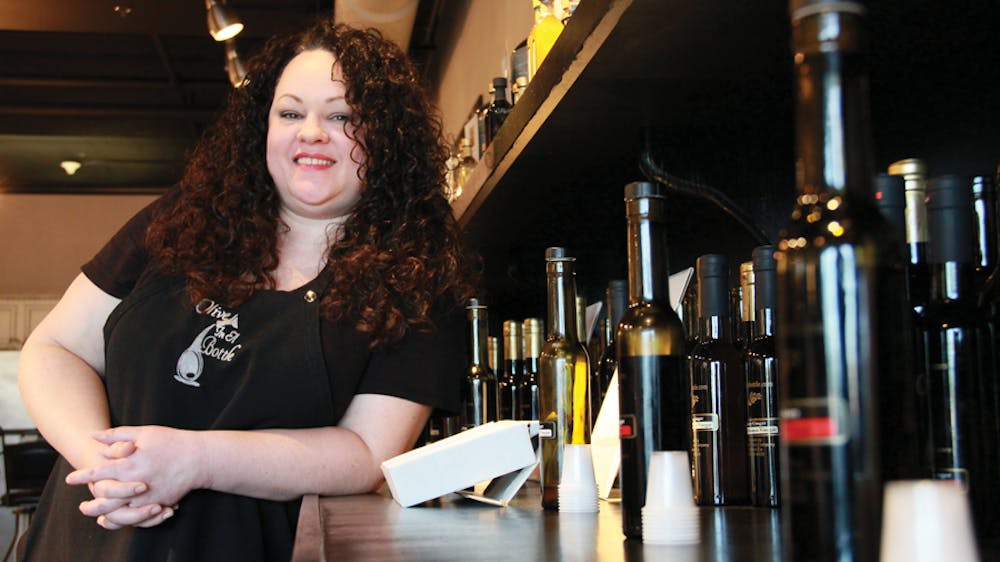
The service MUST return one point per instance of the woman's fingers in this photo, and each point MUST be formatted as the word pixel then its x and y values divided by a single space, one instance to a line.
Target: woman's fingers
pixel 145 516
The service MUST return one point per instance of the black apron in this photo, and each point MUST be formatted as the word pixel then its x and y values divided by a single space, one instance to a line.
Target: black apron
pixel 200 367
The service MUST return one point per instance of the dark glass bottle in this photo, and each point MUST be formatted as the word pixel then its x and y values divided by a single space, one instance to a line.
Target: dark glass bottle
pixel 533 338
pixel 564 377
pixel 914 174
pixel 952 331
pixel 837 298
pixel 498 108
pixel 480 403
pixel 762 393
pixel 718 394
pixel 616 297
pixel 654 398
pixel 984 206
pixel 513 370
pixel 747 311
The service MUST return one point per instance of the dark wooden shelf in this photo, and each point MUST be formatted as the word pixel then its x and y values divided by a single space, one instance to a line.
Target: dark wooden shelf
pixel 706 88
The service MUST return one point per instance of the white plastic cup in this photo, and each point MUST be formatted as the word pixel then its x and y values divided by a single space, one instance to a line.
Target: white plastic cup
pixel 927 520
pixel 668 484
pixel 577 467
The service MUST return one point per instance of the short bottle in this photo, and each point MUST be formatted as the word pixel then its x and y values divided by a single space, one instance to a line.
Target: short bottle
pixel 565 374
pixel 718 394
pixel 466 165
pixel 513 370
pixel 497 110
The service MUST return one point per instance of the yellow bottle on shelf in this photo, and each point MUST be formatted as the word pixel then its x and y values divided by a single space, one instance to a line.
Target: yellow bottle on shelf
pixel 543 34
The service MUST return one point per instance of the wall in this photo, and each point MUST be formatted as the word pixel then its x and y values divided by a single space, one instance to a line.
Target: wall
pixel 475 41
pixel 44 239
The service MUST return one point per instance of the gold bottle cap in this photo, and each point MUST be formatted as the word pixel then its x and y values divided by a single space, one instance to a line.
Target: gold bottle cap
pixel 908 166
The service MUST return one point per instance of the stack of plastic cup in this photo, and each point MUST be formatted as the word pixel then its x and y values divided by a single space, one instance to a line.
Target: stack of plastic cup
pixel 924 520
pixel 670 515
pixel 577 483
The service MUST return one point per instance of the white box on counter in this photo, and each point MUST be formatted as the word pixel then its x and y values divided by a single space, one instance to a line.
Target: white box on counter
pixel 498 456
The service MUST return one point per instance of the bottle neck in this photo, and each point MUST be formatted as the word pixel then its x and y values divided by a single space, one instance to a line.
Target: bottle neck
pixel 715 328
pixel 951 281
pixel 647 250
pixel 832 136
pixel 477 337
pixel 561 300
pixel 764 324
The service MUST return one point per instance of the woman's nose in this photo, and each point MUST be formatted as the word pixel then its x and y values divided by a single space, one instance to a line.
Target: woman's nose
pixel 312 131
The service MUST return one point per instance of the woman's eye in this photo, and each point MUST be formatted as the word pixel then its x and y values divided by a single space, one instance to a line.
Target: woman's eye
pixel 289 115
pixel 340 117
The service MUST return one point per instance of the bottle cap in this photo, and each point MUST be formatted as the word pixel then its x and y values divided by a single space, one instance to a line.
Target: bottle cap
pixel 949 220
pixel 763 258
pixel 948 191
pixel 499 83
pixel 556 253
pixel 474 303
pixel 908 166
pixel 713 285
pixel 890 191
pixel 712 265
pixel 640 189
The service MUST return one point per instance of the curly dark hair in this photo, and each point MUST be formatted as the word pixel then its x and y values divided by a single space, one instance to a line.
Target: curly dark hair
pixel 400 258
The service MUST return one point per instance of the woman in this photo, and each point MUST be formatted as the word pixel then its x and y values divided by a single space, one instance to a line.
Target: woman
pixel 273 328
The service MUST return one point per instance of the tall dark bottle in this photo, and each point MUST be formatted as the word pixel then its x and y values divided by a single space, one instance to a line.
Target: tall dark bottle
pixel 952 332
pixel 761 362
pixel 496 111
pixel 564 377
pixel 480 402
pixel 836 300
pixel 616 297
pixel 533 338
pixel 718 394
pixel 654 398
pixel 513 370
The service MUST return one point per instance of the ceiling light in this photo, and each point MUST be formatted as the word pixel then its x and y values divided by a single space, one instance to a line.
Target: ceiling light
pixel 222 24
pixel 234 66
pixel 70 166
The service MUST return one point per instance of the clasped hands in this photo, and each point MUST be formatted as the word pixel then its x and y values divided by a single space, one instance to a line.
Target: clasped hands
pixel 141 474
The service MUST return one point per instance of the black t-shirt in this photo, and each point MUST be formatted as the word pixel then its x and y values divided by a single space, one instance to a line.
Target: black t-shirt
pixel 424 367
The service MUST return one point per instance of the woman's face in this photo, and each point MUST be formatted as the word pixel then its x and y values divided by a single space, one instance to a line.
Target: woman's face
pixel 311 158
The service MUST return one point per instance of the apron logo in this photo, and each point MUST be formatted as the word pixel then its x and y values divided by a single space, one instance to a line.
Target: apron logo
pixel 217 340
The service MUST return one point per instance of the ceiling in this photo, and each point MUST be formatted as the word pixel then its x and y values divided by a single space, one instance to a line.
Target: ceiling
pixel 126 86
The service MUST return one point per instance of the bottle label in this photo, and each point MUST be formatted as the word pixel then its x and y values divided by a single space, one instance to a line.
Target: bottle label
pixel 627 427
pixel 547 430
pixel 705 422
pixel 815 422
pixel 762 426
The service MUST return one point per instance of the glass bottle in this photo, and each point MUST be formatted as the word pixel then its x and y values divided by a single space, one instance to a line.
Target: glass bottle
pixel 513 370
pixel 533 338
pixel 654 400
pixel 838 298
pixel 466 165
pixel 748 309
pixel 914 174
pixel 564 376
pixel 963 447
pixel 480 389
pixel 984 206
pixel 718 394
pixel 762 392
pixel 498 108
pixel 542 36
pixel 617 299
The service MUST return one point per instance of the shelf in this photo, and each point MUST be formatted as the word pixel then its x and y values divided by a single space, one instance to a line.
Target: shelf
pixel 705 87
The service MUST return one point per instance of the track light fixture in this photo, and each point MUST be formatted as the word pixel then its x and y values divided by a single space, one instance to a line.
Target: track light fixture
pixel 222 24
pixel 234 66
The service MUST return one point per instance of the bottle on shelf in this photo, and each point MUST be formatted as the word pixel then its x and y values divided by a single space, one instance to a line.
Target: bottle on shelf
pixel 534 336
pixel 564 377
pixel 654 399
pixel 914 174
pixel 616 297
pixel 516 90
pixel 839 299
pixel 498 108
pixel 466 165
pixel 513 370
pixel 964 448
pixel 718 394
pixel 543 35
pixel 747 311
pixel 762 392
pixel 480 401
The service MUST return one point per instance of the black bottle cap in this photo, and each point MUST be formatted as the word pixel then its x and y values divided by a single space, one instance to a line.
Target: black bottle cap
pixel 765 288
pixel 949 220
pixel 499 83
pixel 890 191
pixel 713 285
pixel 556 253
pixel 640 189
